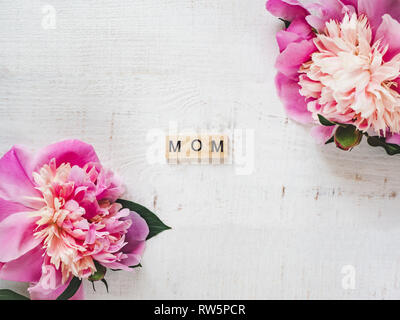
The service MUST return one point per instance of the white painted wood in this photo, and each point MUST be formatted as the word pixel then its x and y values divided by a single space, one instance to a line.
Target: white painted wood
pixel 113 70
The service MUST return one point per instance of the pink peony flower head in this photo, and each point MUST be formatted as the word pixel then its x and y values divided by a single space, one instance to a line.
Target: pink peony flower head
pixel 59 218
pixel 340 59
pixel 347 79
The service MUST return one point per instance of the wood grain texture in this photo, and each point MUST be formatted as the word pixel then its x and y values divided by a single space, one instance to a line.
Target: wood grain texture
pixel 113 70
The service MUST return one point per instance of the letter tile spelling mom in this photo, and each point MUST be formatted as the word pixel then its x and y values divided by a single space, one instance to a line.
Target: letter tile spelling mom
pixel 194 148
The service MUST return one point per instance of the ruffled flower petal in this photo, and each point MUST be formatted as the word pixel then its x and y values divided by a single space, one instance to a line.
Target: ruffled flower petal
pixel 393 138
pixel 74 152
pixel 376 9
pixel 16 236
pixel 27 268
pixel 38 292
pixel 286 9
pixel 322 134
pixel 135 240
pixel 16 182
pixel 326 10
pixel 109 186
pixel 353 3
pixel 136 235
pixel 298 30
pixel 290 60
pixel 8 208
pixel 295 104
pixel 389 35
pixel 50 285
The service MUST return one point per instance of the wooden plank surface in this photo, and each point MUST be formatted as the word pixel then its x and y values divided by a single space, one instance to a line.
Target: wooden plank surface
pixel 112 72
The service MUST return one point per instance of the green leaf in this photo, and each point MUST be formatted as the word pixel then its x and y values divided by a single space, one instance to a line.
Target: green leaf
pixel 286 22
pixel 325 122
pixel 348 137
pixel 155 224
pixel 391 149
pixel 332 139
pixel 6 294
pixel 71 289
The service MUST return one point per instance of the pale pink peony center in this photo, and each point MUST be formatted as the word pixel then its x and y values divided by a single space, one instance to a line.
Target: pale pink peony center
pixel 347 79
pixel 76 229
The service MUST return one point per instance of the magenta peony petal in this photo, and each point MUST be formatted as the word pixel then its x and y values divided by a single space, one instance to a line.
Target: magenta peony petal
pixel 295 104
pixel 109 186
pixel 327 10
pixel 27 268
pixel 285 38
pixel 353 3
pixel 286 9
pixel 117 265
pixel 324 11
pixel 7 208
pixel 38 292
pixel 376 9
pixel 136 243
pixel 74 152
pixel 298 30
pixel 322 134
pixel 137 233
pixel 50 286
pixel 301 28
pixel 290 60
pixel 16 236
pixel 134 259
pixel 16 182
pixel 393 138
pixel 389 34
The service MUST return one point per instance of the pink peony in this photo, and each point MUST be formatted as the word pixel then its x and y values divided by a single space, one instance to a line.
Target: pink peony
pixel 58 216
pixel 340 59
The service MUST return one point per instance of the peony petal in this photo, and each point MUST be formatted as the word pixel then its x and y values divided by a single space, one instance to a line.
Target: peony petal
pixel 74 152
pixel 393 138
pixel 134 259
pixel 301 28
pixel 353 3
pixel 389 33
pixel 326 10
pixel 130 259
pixel 137 233
pixel 16 236
pixel 295 104
pixel 376 9
pixel 37 292
pixel 16 183
pixel 117 266
pixel 50 286
pixel 298 30
pixel 136 243
pixel 290 60
pixel 7 208
pixel 284 38
pixel 322 134
pixel 27 268
pixel 109 186
pixel 286 9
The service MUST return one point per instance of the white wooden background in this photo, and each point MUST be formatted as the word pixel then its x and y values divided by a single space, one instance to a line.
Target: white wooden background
pixel 111 71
